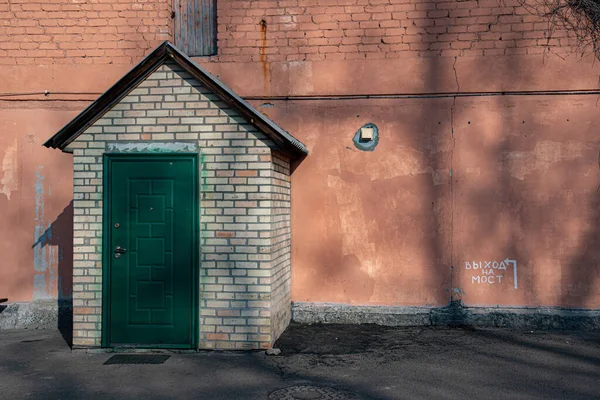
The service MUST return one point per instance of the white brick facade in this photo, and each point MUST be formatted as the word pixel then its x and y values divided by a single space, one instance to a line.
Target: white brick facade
pixel 244 212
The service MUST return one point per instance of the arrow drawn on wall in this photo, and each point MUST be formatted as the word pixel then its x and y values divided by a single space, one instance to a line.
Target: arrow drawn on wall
pixel 514 263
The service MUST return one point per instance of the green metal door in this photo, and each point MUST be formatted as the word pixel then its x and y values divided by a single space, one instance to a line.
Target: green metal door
pixel 150 250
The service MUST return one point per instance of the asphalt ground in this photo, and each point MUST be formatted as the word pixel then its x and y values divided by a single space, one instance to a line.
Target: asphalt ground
pixel 355 361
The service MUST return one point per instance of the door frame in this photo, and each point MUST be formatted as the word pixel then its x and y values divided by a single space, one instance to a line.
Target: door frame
pixel 108 158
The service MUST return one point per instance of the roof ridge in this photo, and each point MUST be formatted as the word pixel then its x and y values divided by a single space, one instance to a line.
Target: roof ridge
pixel 161 54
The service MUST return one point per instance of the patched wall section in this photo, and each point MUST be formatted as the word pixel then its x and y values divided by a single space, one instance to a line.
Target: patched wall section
pixel 245 239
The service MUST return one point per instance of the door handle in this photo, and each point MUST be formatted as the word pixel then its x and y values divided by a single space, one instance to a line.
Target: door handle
pixel 120 250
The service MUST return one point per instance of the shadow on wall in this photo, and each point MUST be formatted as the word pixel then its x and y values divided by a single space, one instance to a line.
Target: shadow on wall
pixel 60 234
pixel 510 178
pixel 581 274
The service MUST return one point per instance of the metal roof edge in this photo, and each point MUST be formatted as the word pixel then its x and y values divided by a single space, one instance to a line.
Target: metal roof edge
pixel 108 99
pixel 145 67
pixel 230 96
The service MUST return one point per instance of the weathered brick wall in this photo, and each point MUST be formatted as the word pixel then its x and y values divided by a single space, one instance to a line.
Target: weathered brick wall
pixel 235 216
pixel 297 30
pixel 281 269
pixel 85 32
pixel 42 32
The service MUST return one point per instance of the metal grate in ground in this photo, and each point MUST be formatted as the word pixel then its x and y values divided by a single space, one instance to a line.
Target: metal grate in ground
pixel 310 393
pixel 137 359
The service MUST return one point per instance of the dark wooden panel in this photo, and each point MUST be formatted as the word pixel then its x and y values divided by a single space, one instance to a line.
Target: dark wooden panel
pixel 196 27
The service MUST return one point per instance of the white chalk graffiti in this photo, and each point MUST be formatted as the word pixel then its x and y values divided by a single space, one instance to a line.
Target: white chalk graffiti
pixel 489 271
pixel 514 263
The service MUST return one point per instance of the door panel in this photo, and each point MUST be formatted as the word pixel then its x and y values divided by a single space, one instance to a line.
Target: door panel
pixel 153 208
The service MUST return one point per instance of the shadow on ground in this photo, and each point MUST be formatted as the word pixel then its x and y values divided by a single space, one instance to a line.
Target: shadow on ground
pixel 442 362
pixel 369 361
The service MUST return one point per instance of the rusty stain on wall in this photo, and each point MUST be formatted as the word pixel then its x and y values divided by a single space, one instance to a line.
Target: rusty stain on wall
pixel 266 68
pixel 9 182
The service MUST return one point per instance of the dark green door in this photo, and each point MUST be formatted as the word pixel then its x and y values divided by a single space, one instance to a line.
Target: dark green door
pixel 151 254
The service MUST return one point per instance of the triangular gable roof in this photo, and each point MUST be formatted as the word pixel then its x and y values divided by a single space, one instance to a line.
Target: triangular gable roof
pixel 167 52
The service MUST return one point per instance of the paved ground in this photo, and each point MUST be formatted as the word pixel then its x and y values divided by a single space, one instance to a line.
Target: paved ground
pixel 369 361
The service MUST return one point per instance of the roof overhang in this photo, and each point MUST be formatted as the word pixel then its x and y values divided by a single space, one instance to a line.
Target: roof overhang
pixel 167 52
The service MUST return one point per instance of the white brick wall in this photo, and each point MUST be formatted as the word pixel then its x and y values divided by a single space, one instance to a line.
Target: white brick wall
pixel 281 272
pixel 244 211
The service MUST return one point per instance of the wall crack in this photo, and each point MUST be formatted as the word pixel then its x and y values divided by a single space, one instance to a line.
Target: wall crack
pixel 452 291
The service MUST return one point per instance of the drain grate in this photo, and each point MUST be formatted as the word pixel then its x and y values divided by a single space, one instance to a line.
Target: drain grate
pixel 310 393
pixel 137 359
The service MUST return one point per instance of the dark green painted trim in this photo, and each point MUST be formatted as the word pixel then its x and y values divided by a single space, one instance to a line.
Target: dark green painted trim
pixel 106 169
pixel 105 253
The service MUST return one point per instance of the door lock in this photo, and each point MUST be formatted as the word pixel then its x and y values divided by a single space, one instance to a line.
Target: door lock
pixel 119 250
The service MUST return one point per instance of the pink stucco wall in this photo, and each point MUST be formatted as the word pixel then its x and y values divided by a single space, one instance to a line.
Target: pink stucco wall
pixel 35 206
pixel 453 182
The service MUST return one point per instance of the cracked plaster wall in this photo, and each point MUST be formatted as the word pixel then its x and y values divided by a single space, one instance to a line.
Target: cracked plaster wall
pixel 392 226
pixel 453 180
pixel 384 227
